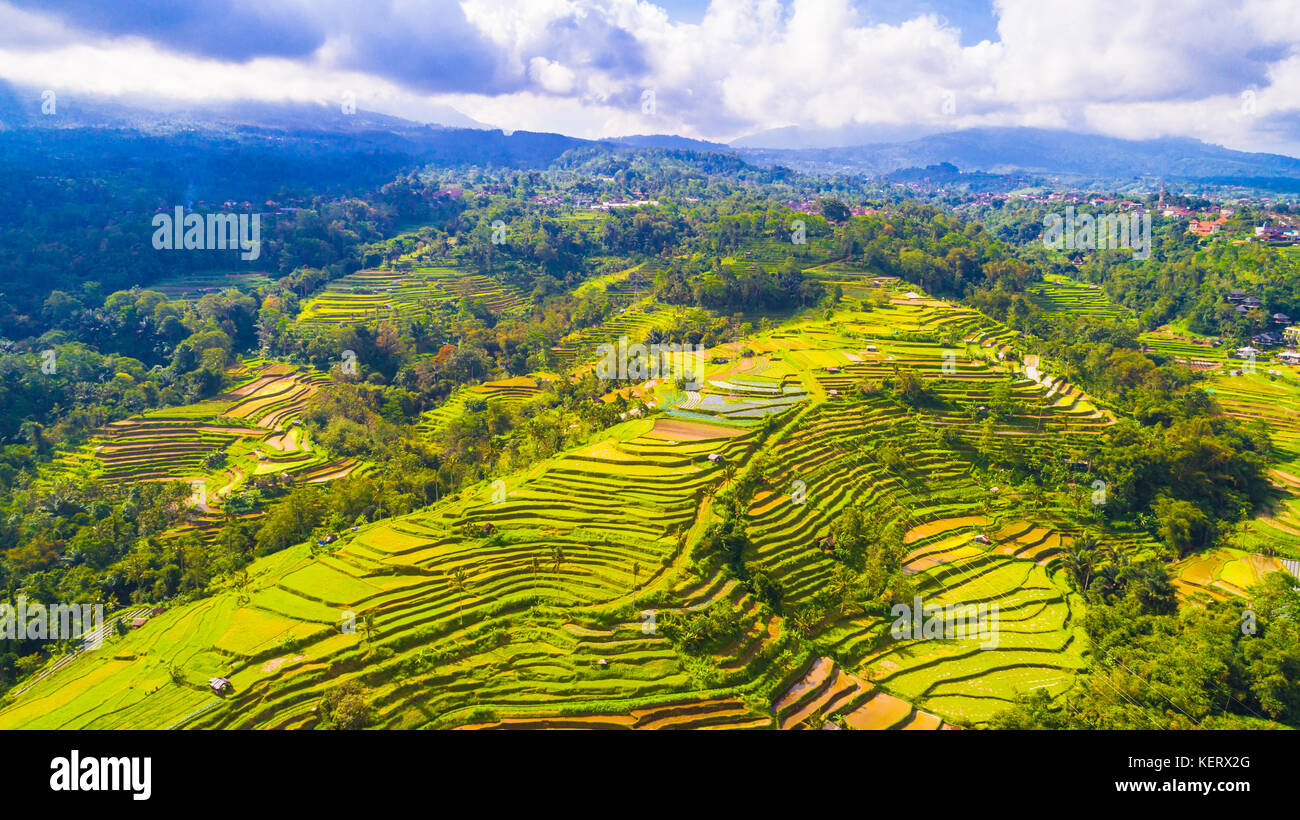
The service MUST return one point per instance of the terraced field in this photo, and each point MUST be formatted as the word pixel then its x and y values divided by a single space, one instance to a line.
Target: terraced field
pixel 255 425
pixel 853 282
pixel 1273 399
pixel 193 286
pixel 632 322
pixel 833 453
pixel 371 295
pixel 1221 574
pixel 1194 351
pixel 548 567
pixel 511 391
pixel 531 600
pixel 1034 641
pixel 1060 294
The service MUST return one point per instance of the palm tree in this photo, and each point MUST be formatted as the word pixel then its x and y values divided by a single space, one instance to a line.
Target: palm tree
pixel 844 587
pixel 459 584
pixel 1080 560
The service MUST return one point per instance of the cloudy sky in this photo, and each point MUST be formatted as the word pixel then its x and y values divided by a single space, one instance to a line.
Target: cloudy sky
pixel 1222 71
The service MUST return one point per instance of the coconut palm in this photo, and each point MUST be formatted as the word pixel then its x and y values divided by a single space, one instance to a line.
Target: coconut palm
pixel 460 584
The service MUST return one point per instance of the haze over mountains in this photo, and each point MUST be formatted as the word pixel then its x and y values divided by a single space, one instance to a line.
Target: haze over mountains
pixel 873 151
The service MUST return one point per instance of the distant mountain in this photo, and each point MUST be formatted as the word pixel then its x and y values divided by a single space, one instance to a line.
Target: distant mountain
pixel 26 107
pixel 797 137
pixel 1039 151
pixel 301 141
pixel 246 150
pixel 986 158
pixel 671 142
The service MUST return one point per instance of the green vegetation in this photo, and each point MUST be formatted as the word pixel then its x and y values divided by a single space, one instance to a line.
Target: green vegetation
pixel 420 505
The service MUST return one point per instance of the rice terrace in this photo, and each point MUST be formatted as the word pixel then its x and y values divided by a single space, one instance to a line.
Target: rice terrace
pixel 729 551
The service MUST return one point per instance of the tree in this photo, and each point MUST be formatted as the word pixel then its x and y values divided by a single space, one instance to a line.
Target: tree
pixel 1183 525
pixel 460 584
pixel 844 588
pixel 911 387
pixel 834 210
pixel 344 707
pixel 1080 560
pixel 368 624
pixel 1148 584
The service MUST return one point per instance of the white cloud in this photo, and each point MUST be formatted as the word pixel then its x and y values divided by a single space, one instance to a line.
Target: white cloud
pixel 550 75
pixel 1133 68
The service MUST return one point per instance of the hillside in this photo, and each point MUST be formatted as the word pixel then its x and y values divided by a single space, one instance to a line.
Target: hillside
pixel 534 599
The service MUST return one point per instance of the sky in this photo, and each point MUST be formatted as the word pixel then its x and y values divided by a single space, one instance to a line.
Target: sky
pixel 1221 71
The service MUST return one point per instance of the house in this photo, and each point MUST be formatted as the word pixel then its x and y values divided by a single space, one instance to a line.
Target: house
pixel 1292 336
pixel 1281 319
pixel 1267 339
pixel 1289 357
pixel 327 539
pixel 219 685
pixel 1236 295
pixel 716 458
pixel 139 621
pixel 1246 352
pixel 1252 302
pixel 1205 227
pixel 983 539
